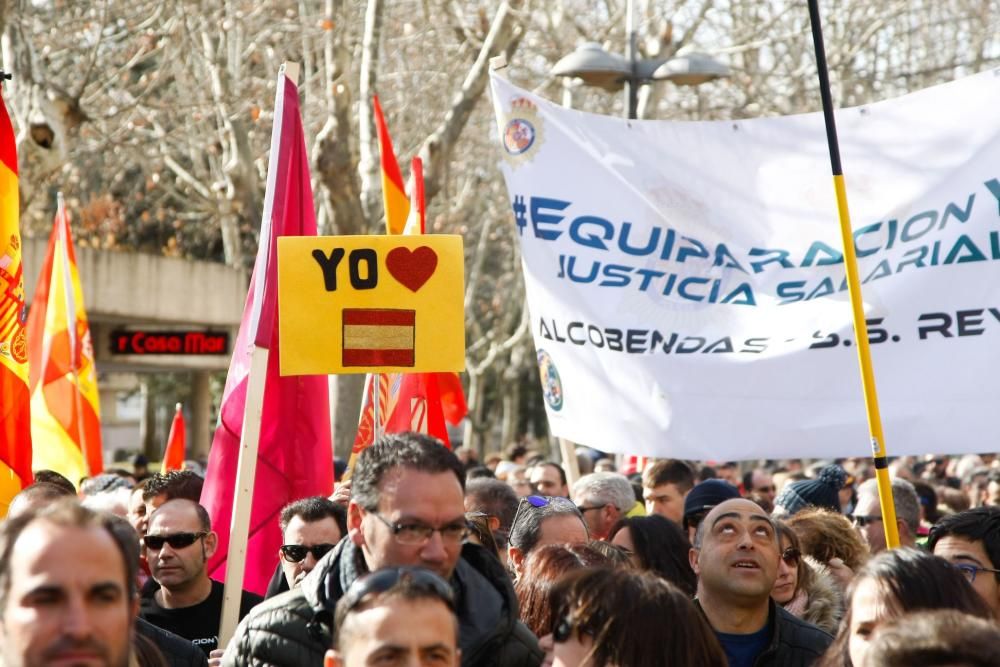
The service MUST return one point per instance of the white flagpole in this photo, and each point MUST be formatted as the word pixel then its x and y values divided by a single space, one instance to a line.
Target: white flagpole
pixel 254 406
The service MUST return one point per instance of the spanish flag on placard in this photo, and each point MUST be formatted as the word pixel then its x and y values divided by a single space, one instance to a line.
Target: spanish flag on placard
pixel 65 408
pixel 15 421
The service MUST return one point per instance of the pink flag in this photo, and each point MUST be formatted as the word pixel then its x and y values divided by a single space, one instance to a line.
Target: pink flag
pixel 295 457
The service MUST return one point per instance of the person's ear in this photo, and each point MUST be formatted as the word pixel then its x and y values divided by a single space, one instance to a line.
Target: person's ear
pixel 693 560
pixel 516 558
pixel 354 517
pixel 211 544
pixel 494 523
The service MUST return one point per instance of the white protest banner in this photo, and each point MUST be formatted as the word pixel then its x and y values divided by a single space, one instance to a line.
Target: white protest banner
pixel 686 285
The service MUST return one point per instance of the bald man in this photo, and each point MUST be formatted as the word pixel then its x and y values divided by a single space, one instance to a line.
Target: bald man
pixel 735 556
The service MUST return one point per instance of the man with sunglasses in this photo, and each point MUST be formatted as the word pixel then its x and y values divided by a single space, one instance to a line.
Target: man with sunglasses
pixel 374 621
pixel 179 541
pixel 310 528
pixel 867 515
pixel 406 509
pixel 970 541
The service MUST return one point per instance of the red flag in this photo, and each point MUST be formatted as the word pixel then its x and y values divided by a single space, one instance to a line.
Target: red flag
pixel 15 422
pixel 173 455
pixel 418 407
pixel 295 457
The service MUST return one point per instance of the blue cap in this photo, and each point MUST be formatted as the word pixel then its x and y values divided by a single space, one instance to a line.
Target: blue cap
pixel 708 494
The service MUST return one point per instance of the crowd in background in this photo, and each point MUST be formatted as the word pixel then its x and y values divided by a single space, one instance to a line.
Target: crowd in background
pixel 508 562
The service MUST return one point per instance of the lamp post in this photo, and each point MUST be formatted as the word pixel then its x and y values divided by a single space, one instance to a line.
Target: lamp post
pixel 610 71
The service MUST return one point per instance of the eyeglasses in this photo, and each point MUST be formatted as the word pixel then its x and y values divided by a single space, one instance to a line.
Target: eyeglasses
pixel 863 520
pixel 584 510
pixel 791 556
pixel 383 580
pixel 536 502
pixel 295 553
pixel 419 533
pixel 970 571
pixel 175 540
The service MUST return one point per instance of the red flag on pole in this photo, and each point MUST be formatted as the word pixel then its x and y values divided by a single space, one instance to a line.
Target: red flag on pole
pixel 295 452
pixel 173 455
pixel 15 421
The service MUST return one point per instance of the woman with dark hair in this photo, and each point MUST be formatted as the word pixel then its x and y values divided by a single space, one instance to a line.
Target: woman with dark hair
pixel 891 584
pixel 541 571
pixel 658 545
pixel 617 617
pixel 805 587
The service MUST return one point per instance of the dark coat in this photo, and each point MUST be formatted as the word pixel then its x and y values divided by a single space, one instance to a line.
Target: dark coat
pixel 293 629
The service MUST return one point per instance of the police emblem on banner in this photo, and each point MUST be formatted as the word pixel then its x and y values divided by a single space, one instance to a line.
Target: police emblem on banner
pixel 521 133
pixel 551 384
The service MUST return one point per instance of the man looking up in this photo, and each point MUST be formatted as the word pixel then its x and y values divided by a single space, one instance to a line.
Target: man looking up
pixel 603 498
pixel 735 556
pixel 549 479
pixel 665 484
pixel 67 591
pixel 970 541
pixel 374 621
pixel 406 509
pixel 867 515
pixel 178 543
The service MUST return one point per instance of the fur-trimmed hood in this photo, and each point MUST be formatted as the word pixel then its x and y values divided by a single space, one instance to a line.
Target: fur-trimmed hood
pixel 825 606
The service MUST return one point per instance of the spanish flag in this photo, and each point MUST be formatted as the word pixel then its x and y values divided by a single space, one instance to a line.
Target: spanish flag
pixel 15 421
pixel 397 205
pixel 65 409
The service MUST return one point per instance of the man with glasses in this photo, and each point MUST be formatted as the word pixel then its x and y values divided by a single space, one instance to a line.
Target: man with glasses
pixel 603 498
pixel 374 621
pixel 406 509
pixel 183 600
pixel 970 541
pixel 867 516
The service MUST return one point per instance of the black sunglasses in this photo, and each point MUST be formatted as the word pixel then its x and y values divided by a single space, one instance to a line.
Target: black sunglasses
pixel 565 629
pixel 383 580
pixel 295 553
pixel 176 540
pixel 791 556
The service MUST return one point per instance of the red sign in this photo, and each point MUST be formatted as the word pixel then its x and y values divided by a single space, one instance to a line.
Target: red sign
pixel 170 342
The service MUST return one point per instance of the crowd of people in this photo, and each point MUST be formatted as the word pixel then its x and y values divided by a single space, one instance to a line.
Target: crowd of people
pixel 427 557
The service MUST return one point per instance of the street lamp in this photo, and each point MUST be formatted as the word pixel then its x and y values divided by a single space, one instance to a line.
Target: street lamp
pixel 596 67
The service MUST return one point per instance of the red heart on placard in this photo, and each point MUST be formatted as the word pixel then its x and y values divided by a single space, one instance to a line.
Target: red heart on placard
pixel 412 268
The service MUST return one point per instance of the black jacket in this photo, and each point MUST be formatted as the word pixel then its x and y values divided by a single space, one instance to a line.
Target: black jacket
pixel 177 651
pixel 293 629
pixel 793 642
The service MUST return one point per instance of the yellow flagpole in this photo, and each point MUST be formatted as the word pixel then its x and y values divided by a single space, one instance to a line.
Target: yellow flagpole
pixel 854 289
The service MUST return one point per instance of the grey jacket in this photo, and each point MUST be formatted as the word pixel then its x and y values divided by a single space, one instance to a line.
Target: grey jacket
pixel 293 629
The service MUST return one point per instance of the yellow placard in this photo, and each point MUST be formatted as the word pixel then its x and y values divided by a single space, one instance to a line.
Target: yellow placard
pixel 371 304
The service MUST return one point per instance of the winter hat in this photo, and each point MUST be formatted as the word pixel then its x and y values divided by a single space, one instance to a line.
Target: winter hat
pixel 708 494
pixel 819 492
